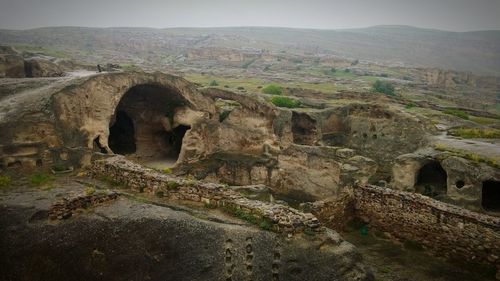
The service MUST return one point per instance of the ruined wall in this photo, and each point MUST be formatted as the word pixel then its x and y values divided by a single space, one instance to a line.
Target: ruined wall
pixel 442 228
pixel 131 175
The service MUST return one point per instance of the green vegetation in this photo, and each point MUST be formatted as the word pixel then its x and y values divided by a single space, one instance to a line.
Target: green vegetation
pixel 484 120
pixel 172 186
pixel 457 113
pixel 223 115
pixel 263 223
pixel 46 51
pixel 470 133
pixel 5 181
pixel 309 231
pixel 383 87
pixel 474 157
pixel 40 179
pixel 167 170
pixel 214 83
pixel 285 102
pixel 410 105
pixel 266 224
pixel 272 89
pixel 209 205
pixel 89 190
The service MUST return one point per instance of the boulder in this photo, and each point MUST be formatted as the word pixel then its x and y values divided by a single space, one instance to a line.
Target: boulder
pixel 42 68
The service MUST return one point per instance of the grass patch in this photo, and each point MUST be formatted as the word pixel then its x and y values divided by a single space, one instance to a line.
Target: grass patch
pixel 470 133
pixel 263 223
pixel 456 112
pixel 474 157
pixel 46 51
pixel 167 171
pixel 484 120
pixel 285 102
pixel 272 89
pixel 40 179
pixel 130 67
pixel 5 181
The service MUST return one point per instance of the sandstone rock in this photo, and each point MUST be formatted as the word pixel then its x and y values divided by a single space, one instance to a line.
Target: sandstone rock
pixel 42 68
pixel 11 66
pixel 345 153
pixel 132 240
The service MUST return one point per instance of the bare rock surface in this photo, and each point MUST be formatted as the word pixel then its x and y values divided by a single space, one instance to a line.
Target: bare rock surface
pixel 137 240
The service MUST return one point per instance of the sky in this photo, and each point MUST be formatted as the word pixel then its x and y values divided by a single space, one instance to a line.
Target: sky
pixel 453 15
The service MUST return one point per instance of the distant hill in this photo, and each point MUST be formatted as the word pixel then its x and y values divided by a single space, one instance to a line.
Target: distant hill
pixel 478 51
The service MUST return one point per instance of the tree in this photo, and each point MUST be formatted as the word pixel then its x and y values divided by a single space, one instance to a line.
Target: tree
pixel 214 83
pixel 383 87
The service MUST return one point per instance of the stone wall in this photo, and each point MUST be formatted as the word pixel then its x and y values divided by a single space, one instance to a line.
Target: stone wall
pixel 442 228
pixel 127 173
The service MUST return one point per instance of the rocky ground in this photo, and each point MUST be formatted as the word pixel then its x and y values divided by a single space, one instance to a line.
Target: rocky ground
pixel 136 237
pixel 141 237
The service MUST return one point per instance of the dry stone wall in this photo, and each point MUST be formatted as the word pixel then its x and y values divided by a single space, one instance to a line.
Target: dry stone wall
pixel 441 228
pixel 135 176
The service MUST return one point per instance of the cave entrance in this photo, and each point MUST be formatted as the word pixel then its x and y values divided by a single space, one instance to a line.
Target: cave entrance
pixel 303 129
pixel 143 126
pixel 490 199
pixel 431 180
pixel 122 134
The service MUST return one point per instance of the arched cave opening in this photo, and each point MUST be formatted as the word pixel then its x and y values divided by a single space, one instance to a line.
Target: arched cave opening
pixel 143 126
pixel 122 134
pixel 431 180
pixel 303 129
pixel 490 199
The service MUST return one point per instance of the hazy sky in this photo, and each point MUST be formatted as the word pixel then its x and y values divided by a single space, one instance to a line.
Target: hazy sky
pixel 456 15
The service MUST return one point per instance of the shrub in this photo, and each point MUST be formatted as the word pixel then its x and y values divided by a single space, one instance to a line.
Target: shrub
pixel 410 105
pixel 265 224
pixel 457 113
pixel 89 190
pixel 223 115
pixel 272 89
pixel 172 185
pixel 214 83
pixel 347 70
pixel 5 181
pixel 383 87
pixel 285 102
pixel 167 171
